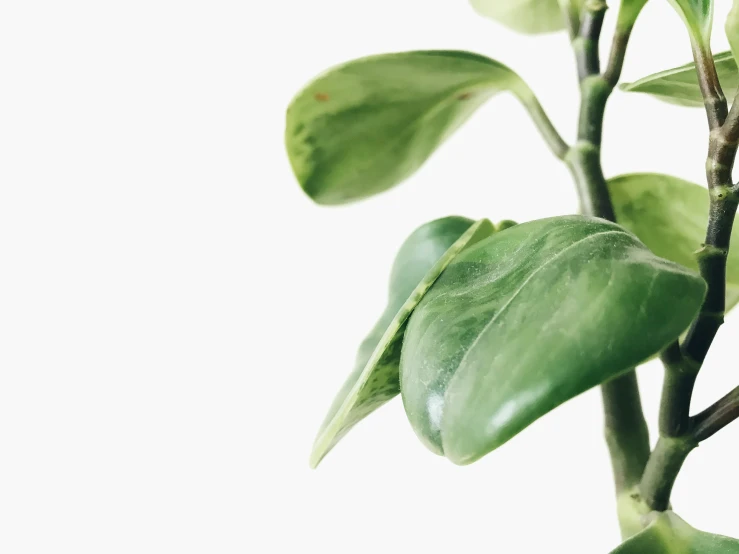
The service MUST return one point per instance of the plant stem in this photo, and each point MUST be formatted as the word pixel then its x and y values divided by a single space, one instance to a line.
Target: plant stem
pixel 717 416
pixel 710 86
pixel 679 433
pixel 677 388
pixel 682 363
pixel 586 43
pixel 670 453
pixel 662 469
pixel 583 160
pixel 626 430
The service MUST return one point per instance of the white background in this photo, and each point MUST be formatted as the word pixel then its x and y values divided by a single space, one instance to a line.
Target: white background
pixel 175 315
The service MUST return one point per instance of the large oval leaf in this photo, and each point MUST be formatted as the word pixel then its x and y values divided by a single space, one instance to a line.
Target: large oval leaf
pixel 527 319
pixel 680 84
pixel 374 380
pixel 669 215
pixel 526 16
pixel 365 126
pixel 669 534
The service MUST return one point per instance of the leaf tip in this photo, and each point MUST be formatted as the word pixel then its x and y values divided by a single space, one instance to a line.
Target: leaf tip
pixel 319 451
pixel 314 459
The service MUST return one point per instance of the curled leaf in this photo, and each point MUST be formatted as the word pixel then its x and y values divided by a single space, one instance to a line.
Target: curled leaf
pixel 374 380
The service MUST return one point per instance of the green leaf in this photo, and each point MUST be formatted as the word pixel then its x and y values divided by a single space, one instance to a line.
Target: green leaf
pixel 669 534
pixel 527 319
pixel 680 84
pixel 669 215
pixel 698 17
pixel 365 126
pixel 527 16
pixel 374 380
pixel 732 28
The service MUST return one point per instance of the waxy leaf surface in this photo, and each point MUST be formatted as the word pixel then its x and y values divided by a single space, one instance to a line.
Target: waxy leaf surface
pixel 527 16
pixel 680 84
pixel 375 378
pixel 527 319
pixel 669 534
pixel 669 215
pixel 363 127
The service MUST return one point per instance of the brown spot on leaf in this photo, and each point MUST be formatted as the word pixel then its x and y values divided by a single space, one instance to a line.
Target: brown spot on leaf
pixel 321 96
pixel 464 96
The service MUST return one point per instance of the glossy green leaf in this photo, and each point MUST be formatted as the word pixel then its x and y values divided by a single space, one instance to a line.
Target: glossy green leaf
pixel 374 380
pixel 365 126
pixel 732 28
pixel 680 84
pixel 669 534
pixel 527 16
pixel 527 319
pixel 698 17
pixel 669 215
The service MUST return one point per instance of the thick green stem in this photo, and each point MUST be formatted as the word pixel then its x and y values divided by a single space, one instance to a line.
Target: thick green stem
pixel 586 43
pixel 583 160
pixel 679 433
pixel 626 430
pixel 677 388
pixel 662 469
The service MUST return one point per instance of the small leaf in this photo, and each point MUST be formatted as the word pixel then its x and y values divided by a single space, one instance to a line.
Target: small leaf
pixel 367 125
pixel 698 18
pixel 527 16
pixel 527 319
pixel 374 381
pixel 669 534
pixel 680 84
pixel 669 215
pixel 732 29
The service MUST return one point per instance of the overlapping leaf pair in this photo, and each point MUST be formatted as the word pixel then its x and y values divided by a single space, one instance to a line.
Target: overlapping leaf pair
pixel 503 327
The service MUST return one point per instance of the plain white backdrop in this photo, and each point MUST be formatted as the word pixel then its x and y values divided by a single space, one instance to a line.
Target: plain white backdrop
pixel 176 316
